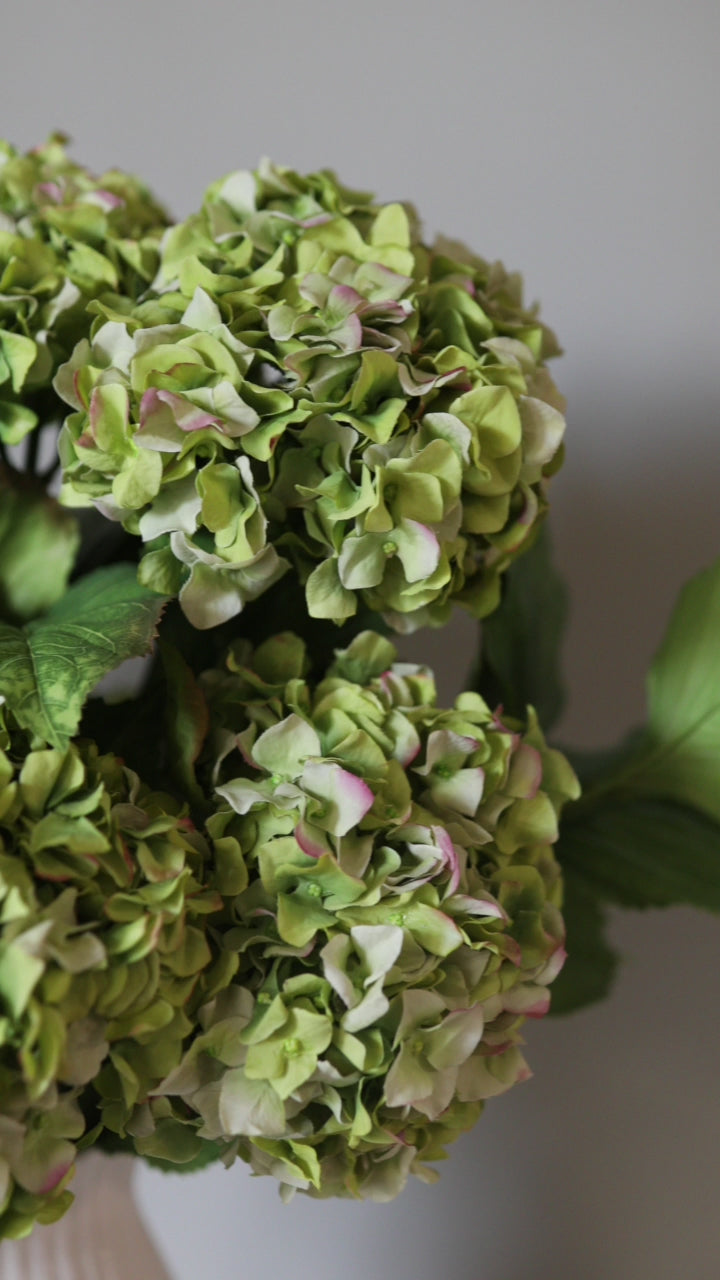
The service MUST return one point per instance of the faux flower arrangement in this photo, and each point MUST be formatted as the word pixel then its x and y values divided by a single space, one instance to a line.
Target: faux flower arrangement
pixel 277 904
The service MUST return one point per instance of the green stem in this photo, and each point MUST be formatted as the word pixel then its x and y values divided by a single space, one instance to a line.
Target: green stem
pixel 31 452
pixel 48 474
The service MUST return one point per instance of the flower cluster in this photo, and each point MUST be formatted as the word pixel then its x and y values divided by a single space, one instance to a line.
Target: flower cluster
pixel 66 238
pixel 393 900
pixel 329 978
pixel 309 384
pixel 100 949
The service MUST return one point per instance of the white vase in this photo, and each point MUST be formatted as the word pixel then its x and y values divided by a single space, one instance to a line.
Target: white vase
pixel 102 1237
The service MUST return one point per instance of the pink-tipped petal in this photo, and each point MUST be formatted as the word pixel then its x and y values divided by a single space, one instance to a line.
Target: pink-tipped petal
pixel 51 190
pixel 310 840
pixel 553 966
pixel 55 1177
pixel 345 299
pixel 450 857
pixel 357 796
pixel 525 772
pixel 344 798
pixel 106 200
pixel 186 415
pixel 539 1009
pixel 478 906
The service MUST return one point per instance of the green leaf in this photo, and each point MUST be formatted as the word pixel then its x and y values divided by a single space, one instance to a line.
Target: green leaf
pixel 171 1141
pixel 521 641
pixel 681 756
pixel 38 544
pixel 645 853
pixel 647 829
pixel 19 354
pixel 207 1155
pixel 16 421
pixel 186 716
pixel 591 965
pixel 48 667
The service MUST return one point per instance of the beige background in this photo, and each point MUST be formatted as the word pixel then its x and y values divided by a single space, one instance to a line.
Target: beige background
pixel 579 142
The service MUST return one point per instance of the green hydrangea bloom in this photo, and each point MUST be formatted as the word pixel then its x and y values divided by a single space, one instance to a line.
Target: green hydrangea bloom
pixel 66 238
pixel 312 385
pixel 99 954
pixel 391 892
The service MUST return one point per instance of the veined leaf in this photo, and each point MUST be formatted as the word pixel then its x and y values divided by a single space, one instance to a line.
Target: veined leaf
pixel 644 853
pixel 647 829
pixel 590 968
pixel 520 661
pixel 48 667
pixel 681 756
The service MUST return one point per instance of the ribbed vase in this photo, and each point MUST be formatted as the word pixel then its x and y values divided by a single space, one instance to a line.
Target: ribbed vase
pixel 102 1237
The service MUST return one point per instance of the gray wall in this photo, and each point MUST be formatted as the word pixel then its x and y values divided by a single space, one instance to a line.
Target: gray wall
pixel 578 142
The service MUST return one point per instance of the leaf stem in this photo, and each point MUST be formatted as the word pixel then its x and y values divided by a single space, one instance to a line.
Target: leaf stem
pixel 641 755
pixel 31 452
pixel 47 475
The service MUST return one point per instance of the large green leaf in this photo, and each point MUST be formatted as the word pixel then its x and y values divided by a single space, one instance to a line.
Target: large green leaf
pixel 681 756
pixel 591 963
pixel 38 543
pixel 48 667
pixel 644 852
pixel 520 662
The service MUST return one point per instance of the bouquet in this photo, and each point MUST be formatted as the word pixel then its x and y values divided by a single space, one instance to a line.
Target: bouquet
pixel 261 897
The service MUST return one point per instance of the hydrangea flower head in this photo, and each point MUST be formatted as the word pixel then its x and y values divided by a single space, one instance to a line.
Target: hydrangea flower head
pixel 393 900
pixel 101 899
pixel 311 386
pixel 66 238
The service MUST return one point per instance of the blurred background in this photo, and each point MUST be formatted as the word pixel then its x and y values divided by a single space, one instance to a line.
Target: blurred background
pixel 575 142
